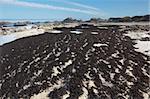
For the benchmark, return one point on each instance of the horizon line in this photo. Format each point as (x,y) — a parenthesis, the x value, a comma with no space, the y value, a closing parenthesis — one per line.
(67,17)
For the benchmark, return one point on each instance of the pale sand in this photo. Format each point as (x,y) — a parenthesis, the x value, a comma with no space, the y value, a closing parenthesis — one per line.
(28,33)
(138,35)
(142,46)
(44,94)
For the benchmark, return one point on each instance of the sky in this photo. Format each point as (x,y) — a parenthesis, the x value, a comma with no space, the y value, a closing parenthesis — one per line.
(80,9)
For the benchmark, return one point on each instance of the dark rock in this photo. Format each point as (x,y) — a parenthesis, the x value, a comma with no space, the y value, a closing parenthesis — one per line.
(116,70)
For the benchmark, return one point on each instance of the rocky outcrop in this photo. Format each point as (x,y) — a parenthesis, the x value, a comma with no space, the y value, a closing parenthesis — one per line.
(96,20)
(145,18)
(70,20)
(95,64)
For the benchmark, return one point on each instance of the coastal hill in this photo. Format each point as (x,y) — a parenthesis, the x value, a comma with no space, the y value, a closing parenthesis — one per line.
(70,20)
(130,19)
(143,18)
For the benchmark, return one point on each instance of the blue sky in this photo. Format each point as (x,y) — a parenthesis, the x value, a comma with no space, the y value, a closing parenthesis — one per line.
(81,9)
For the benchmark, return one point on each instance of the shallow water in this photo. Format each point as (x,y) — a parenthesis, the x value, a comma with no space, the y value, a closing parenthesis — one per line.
(7,38)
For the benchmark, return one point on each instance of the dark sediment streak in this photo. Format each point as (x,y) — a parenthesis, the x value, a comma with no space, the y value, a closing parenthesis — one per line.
(21,61)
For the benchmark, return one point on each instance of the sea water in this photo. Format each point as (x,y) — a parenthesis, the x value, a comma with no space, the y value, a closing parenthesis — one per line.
(7,38)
